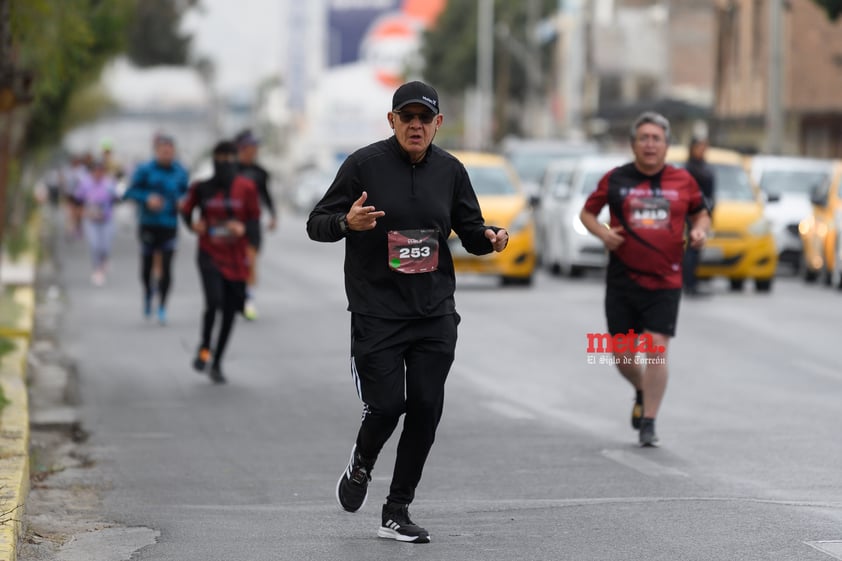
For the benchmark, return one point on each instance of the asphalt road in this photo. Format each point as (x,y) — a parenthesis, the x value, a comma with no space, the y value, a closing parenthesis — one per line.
(534,460)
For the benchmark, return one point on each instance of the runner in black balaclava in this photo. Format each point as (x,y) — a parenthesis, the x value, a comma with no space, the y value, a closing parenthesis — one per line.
(224,164)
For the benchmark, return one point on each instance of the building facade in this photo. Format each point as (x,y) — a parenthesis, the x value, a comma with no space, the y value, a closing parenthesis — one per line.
(810,69)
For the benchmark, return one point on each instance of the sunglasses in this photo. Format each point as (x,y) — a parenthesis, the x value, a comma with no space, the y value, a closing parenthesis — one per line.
(425,117)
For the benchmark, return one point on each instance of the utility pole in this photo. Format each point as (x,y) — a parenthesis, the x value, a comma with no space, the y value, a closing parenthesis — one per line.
(485,72)
(573,71)
(774,109)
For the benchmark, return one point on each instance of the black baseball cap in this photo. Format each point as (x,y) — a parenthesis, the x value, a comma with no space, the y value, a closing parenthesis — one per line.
(416,92)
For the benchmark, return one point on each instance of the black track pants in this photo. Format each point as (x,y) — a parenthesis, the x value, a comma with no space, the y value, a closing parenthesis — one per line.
(221,296)
(400,367)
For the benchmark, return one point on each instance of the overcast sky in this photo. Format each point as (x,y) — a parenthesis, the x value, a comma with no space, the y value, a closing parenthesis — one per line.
(243,37)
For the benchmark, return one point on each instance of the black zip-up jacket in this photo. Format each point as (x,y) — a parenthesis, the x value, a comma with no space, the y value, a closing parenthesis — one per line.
(434,193)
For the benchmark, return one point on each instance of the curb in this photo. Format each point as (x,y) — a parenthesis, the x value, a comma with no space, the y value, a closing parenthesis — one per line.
(14,416)
(14,447)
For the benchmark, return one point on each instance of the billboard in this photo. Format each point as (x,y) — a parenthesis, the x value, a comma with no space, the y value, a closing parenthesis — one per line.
(347,23)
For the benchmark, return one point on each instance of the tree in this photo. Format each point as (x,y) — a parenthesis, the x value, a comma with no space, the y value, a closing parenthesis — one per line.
(159,20)
(66,44)
(449,51)
(832,7)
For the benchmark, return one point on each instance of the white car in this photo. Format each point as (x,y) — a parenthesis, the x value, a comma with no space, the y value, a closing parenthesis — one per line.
(570,249)
(787,183)
(555,184)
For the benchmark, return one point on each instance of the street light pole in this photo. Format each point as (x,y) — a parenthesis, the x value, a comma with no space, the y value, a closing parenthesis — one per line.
(774,109)
(574,65)
(485,71)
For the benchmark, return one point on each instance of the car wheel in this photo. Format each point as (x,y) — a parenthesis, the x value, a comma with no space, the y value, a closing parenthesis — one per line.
(736,284)
(763,285)
(576,272)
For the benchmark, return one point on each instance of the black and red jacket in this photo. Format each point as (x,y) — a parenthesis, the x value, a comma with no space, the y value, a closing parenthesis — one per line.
(217,206)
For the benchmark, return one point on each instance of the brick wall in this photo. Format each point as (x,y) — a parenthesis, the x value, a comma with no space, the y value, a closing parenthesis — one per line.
(814,63)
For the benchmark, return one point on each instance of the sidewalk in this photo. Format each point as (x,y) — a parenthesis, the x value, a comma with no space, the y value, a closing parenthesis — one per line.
(17,308)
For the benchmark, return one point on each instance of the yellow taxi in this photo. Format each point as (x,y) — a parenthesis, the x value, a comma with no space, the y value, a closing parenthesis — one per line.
(820,232)
(504,204)
(741,244)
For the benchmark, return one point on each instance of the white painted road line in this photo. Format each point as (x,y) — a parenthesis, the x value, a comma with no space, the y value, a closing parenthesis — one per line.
(832,548)
(641,464)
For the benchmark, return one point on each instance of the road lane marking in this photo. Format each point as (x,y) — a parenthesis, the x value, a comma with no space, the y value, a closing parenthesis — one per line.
(641,464)
(832,548)
(497,505)
(537,402)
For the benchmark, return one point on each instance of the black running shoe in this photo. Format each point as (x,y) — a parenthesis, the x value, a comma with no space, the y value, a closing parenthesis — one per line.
(216,375)
(398,526)
(648,438)
(352,487)
(203,356)
(637,411)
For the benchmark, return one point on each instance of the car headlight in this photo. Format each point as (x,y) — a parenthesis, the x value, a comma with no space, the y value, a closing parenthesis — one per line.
(520,222)
(805,225)
(578,227)
(760,227)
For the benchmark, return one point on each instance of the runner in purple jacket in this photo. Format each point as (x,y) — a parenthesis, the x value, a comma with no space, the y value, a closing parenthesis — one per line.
(96,194)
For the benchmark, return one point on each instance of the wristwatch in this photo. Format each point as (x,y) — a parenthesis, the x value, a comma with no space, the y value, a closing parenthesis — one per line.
(343,224)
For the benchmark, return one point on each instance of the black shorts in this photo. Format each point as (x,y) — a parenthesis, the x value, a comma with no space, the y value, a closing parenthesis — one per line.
(630,306)
(157,238)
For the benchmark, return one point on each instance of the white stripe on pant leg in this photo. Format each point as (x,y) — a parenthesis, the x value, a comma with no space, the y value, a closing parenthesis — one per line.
(356,376)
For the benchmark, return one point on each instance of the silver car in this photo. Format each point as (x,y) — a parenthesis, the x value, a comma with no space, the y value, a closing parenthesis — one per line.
(570,249)
(787,183)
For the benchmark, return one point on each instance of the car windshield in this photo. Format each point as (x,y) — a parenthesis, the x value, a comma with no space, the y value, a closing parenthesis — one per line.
(589,177)
(590,180)
(530,166)
(489,180)
(800,182)
(731,182)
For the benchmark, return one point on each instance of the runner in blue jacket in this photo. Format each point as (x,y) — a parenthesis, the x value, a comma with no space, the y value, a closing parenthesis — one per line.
(157,187)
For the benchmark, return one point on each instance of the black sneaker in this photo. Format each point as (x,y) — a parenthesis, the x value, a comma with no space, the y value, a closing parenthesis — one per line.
(352,487)
(647,437)
(637,411)
(216,375)
(398,526)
